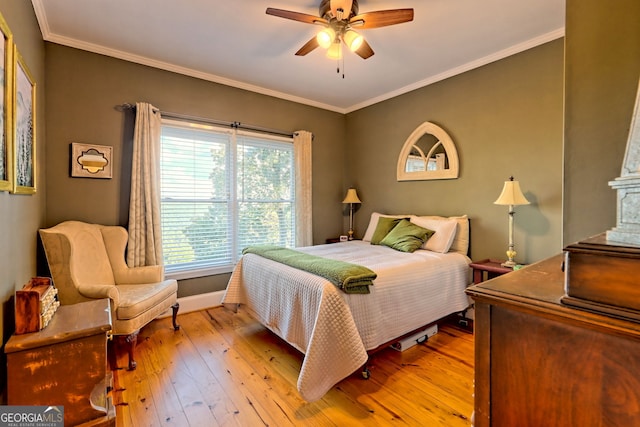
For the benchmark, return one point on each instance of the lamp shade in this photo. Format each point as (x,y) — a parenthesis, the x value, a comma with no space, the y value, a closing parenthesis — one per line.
(351,197)
(511,194)
(335,51)
(353,40)
(326,37)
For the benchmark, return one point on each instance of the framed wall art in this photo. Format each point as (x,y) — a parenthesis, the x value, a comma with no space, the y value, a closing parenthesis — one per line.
(6,107)
(24,130)
(91,161)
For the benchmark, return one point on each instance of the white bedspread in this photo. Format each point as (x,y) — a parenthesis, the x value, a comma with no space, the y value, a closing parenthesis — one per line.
(334,329)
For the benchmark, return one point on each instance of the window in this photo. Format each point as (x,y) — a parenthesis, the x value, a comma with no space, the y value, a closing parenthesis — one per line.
(222,190)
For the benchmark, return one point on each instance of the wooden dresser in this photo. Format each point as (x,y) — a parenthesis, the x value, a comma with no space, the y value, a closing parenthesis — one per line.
(65,364)
(539,362)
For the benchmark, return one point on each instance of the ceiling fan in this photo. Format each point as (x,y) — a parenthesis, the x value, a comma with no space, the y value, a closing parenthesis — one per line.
(339,19)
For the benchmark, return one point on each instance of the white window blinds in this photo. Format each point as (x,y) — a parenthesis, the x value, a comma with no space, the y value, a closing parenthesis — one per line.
(222,190)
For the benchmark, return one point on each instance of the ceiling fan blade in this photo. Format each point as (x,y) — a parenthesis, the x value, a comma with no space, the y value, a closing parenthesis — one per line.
(364,51)
(308,47)
(296,16)
(381,18)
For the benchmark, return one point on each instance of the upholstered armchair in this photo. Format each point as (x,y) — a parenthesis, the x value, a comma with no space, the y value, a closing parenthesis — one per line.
(87,262)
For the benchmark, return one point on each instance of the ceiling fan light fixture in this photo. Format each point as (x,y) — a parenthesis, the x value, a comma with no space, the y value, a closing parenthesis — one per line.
(337,18)
(353,40)
(334,51)
(326,37)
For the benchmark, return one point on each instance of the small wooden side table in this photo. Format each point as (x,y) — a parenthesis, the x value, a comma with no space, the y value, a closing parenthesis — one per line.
(492,268)
(65,364)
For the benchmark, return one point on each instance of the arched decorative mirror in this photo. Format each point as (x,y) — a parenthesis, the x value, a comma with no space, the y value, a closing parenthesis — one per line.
(428,153)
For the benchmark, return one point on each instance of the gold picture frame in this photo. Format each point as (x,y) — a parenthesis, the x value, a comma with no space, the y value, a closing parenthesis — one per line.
(6,107)
(91,160)
(24,127)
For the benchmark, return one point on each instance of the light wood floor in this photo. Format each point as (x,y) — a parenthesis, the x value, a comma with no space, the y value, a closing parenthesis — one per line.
(225,369)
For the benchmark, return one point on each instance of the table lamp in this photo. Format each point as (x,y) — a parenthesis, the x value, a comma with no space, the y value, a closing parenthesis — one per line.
(351,198)
(511,196)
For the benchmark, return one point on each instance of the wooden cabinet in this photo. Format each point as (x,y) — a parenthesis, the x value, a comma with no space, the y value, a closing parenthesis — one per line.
(65,364)
(539,362)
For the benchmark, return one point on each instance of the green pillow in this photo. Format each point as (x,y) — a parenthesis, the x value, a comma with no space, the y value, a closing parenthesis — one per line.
(406,236)
(384,226)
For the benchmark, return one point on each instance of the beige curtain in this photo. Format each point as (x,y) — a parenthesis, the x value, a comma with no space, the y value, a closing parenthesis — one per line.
(145,242)
(302,158)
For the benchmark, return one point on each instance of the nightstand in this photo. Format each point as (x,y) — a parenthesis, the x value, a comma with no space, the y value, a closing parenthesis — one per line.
(335,240)
(492,268)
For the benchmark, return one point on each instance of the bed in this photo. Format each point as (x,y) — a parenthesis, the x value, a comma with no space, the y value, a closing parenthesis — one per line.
(335,330)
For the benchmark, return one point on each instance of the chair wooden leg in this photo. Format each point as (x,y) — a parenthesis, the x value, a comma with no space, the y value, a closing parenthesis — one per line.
(175,308)
(131,341)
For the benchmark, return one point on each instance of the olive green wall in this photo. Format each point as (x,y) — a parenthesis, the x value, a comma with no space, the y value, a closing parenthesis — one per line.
(602,71)
(505,119)
(22,215)
(83,91)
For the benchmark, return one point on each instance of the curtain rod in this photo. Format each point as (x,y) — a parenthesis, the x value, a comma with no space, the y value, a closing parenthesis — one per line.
(203,120)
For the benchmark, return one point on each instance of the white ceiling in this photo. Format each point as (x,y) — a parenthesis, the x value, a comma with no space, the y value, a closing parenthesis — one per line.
(236,43)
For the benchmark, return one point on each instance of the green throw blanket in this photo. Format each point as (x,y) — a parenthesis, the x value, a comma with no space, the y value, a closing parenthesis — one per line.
(351,278)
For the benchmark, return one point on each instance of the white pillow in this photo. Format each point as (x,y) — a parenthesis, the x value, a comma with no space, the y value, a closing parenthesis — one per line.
(373,223)
(445,231)
(460,242)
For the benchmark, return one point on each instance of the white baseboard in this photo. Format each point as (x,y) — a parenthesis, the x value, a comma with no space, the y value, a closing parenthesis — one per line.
(197,302)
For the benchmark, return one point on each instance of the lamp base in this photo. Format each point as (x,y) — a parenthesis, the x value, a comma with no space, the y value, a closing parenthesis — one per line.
(509,264)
